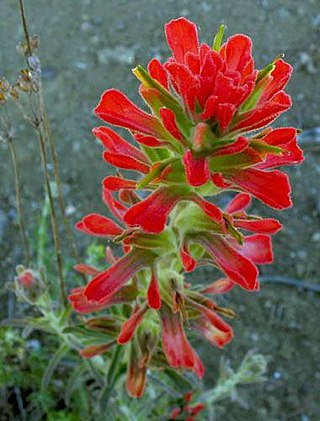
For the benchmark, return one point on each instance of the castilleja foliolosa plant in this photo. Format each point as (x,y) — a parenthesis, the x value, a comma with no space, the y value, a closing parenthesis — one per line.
(208,131)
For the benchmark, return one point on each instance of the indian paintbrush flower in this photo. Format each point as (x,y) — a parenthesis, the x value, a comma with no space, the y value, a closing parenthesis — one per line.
(201,138)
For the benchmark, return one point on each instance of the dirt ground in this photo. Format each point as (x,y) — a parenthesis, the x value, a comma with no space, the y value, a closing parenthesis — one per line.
(88,46)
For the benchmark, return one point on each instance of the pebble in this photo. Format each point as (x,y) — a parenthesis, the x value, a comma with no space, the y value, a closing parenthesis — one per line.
(283,13)
(80,65)
(311,136)
(316,20)
(300,269)
(119,54)
(277,375)
(315,237)
(49,73)
(306,62)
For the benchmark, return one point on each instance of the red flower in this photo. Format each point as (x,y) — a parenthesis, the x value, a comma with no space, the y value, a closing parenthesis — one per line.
(223,95)
(200,137)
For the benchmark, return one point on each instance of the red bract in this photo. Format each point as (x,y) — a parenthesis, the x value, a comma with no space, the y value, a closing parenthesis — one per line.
(176,347)
(200,137)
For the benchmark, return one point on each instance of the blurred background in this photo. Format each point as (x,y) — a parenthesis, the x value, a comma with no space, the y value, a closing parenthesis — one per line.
(87,46)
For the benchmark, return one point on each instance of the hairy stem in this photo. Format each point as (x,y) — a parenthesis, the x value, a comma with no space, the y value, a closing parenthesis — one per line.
(19,199)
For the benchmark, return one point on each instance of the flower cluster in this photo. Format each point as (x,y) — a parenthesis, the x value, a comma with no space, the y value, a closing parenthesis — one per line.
(201,138)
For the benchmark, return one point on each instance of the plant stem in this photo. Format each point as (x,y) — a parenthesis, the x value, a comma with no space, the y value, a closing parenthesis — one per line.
(39,126)
(54,221)
(18,199)
(43,117)
(25,26)
(57,178)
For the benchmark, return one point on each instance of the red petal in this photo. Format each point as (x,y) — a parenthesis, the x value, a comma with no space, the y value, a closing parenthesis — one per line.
(158,72)
(285,138)
(94,350)
(115,108)
(136,375)
(265,114)
(221,286)
(169,121)
(115,143)
(228,91)
(193,62)
(182,37)
(234,148)
(125,162)
(81,304)
(209,208)
(239,203)
(117,208)
(263,226)
(86,269)
(110,258)
(189,263)
(237,267)
(197,170)
(116,183)
(224,114)
(218,180)
(278,80)
(271,187)
(185,83)
(99,225)
(237,53)
(210,107)
(152,213)
(258,248)
(215,330)
(176,347)
(129,326)
(108,283)
(153,294)
(148,140)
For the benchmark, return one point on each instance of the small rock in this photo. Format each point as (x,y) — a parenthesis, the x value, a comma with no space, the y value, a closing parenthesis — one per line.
(302,254)
(86,26)
(70,210)
(306,62)
(49,73)
(119,54)
(315,237)
(300,269)
(311,136)
(80,65)
(316,20)
(283,13)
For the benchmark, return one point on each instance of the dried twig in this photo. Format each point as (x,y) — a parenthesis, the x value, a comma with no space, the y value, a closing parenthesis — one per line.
(7,137)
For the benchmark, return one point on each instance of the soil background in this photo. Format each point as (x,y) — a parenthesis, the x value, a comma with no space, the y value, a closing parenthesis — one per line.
(88,46)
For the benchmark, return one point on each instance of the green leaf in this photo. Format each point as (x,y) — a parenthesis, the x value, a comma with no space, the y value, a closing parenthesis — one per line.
(266,71)
(218,38)
(263,147)
(37,324)
(179,381)
(53,363)
(74,382)
(166,98)
(155,172)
